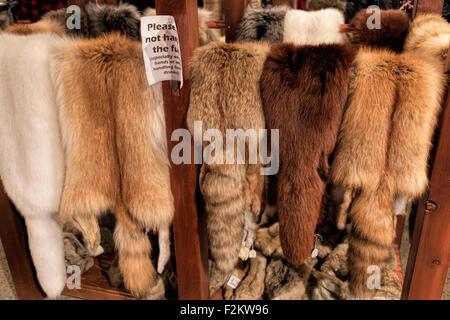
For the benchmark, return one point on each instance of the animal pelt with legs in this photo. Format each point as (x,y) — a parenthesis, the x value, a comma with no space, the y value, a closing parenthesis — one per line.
(225,95)
(383,146)
(304,90)
(115,146)
(31,151)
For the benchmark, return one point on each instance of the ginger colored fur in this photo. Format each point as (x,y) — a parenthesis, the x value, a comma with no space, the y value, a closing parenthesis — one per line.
(383,149)
(43,26)
(225,95)
(429,37)
(304,89)
(116,154)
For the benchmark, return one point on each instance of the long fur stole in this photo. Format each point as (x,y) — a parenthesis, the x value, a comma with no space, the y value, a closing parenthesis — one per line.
(383,146)
(303,90)
(115,147)
(31,152)
(225,95)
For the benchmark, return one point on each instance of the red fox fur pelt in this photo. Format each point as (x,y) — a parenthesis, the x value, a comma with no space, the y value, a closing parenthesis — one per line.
(383,146)
(225,95)
(303,91)
(113,132)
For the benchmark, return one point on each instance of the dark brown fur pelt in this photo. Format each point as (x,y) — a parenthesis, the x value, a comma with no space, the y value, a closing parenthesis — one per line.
(304,89)
(383,149)
(323,4)
(115,146)
(393,29)
(225,95)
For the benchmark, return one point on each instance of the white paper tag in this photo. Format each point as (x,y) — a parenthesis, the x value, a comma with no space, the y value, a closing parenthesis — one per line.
(233,282)
(252,254)
(315,253)
(161,49)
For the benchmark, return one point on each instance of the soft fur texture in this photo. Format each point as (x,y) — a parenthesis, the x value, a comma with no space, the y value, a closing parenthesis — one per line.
(304,89)
(115,147)
(31,155)
(225,95)
(313,28)
(429,37)
(43,26)
(107,18)
(60,16)
(383,148)
(394,26)
(262,24)
(323,4)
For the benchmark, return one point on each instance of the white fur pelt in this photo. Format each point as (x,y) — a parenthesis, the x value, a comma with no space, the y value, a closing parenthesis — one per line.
(31,154)
(313,27)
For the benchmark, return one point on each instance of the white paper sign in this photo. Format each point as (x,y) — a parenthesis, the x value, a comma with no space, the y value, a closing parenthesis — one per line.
(161,49)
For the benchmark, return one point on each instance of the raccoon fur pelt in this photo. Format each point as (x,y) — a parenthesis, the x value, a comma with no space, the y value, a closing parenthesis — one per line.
(429,37)
(205,34)
(314,27)
(303,90)
(113,132)
(262,24)
(383,147)
(225,95)
(31,151)
(323,4)
(95,20)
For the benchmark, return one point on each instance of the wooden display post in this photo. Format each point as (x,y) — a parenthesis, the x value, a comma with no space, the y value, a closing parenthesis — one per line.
(429,255)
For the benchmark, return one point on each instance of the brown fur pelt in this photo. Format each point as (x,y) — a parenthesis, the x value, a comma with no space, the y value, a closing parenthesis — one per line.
(391,33)
(383,148)
(225,95)
(429,37)
(43,26)
(304,89)
(115,147)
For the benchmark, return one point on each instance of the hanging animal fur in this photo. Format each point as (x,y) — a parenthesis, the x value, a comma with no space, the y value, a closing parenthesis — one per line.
(225,95)
(314,27)
(31,155)
(304,89)
(43,26)
(116,154)
(429,37)
(323,4)
(262,24)
(383,145)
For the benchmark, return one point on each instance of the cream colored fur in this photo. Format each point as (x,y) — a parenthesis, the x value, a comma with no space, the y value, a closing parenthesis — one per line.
(31,153)
(314,27)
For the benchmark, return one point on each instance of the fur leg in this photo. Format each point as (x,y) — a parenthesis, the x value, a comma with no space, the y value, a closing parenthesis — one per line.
(46,246)
(89,228)
(164,248)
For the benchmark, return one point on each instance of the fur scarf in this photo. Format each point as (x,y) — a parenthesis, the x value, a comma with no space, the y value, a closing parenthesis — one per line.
(31,152)
(115,151)
(42,26)
(314,28)
(429,37)
(303,90)
(225,95)
(383,148)
(262,24)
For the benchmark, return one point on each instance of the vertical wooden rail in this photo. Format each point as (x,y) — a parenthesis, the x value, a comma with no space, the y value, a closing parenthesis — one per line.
(234,10)
(191,249)
(429,256)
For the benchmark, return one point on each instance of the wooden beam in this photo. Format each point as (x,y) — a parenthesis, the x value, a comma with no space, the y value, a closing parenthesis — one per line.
(15,244)
(191,248)
(428,6)
(234,11)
